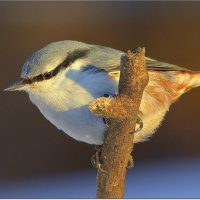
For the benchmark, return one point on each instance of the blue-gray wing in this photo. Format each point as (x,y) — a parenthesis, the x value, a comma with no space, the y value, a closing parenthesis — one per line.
(162,66)
(108,59)
(151,65)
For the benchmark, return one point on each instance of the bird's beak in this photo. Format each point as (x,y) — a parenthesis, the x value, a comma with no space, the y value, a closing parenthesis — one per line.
(18,85)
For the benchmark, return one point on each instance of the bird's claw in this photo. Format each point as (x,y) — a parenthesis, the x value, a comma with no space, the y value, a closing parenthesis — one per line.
(96,159)
(130,163)
(110,95)
(106,121)
(140,123)
(97,163)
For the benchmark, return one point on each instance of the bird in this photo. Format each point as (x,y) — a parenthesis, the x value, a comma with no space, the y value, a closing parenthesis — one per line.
(64,77)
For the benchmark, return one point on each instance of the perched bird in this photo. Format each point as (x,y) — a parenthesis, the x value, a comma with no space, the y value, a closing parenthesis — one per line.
(64,77)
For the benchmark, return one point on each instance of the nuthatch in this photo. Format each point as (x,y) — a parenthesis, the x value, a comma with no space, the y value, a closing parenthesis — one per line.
(64,77)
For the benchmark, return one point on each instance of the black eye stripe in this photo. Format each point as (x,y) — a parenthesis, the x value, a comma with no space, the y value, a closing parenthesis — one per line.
(69,60)
(25,80)
(37,78)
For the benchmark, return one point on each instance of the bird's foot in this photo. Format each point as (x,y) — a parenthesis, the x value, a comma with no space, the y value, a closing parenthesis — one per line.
(130,163)
(110,95)
(96,159)
(106,121)
(139,125)
(97,163)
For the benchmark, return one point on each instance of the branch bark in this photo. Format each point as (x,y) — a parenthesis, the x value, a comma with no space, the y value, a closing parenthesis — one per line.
(123,112)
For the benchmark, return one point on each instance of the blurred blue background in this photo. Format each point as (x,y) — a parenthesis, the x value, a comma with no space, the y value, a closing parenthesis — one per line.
(159,179)
(36,159)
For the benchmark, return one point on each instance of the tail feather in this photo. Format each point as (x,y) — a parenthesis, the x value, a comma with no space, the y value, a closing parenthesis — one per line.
(194,80)
(185,81)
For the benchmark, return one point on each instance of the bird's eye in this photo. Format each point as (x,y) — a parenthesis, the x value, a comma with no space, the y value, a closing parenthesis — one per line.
(47,75)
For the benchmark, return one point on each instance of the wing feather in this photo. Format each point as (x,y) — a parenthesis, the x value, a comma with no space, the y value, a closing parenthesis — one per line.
(162,66)
(108,59)
(151,65)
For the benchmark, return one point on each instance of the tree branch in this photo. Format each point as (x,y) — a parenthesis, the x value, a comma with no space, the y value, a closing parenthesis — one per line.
(123,112)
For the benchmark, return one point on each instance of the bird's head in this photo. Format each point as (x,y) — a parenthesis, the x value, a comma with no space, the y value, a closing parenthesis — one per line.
(49,62)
